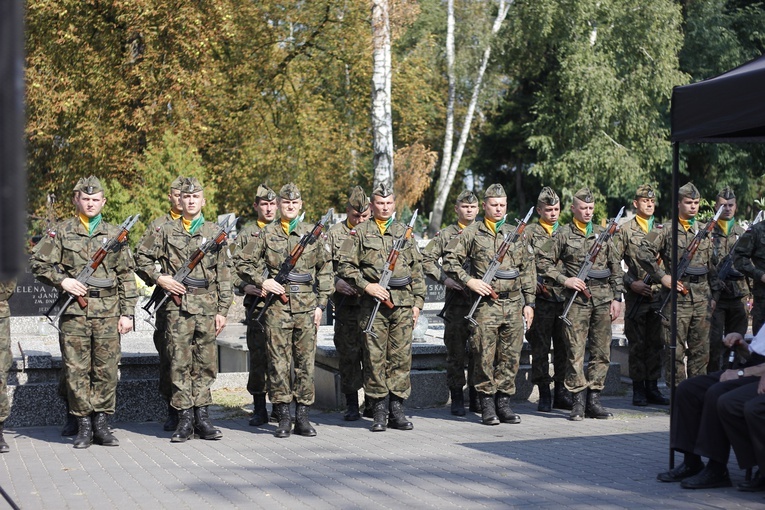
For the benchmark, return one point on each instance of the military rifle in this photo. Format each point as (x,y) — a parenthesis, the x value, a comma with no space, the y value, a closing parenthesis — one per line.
(685,260)
(290,262)
(112,245)
(589,261)
(452,294)
(647,280)
(160,295)
(496,261)
(387,272)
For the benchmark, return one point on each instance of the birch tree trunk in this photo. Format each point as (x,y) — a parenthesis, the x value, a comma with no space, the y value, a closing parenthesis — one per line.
(382,118)
(451,162)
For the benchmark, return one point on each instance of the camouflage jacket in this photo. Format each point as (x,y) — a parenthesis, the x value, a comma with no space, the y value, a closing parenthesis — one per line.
(432,261)
(65,252)
(562,257)
(336,236)
(267,251)
(701,286)
(6,291)
(172,247)
(363,256)
(736,285)
(538,237)
(749,258)
(479,244)
(630,239)
(249,233)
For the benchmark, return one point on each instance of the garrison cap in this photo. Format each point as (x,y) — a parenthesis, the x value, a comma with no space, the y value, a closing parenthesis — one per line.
(290,192)
(726,193)
(645,191)
(89,185)
(547,197)
(265,193)
(383,190)
(177,183)
(689,190)
(467,197)
(191,185)
(494,191)
(585,195)
(357,199)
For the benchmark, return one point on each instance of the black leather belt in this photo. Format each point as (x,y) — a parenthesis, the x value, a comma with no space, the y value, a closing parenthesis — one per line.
(508,294)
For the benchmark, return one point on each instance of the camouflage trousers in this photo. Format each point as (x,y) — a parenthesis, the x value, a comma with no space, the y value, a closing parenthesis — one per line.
(457,342)
(496,342)
(591,332)
(257,380)
(387,356)
(90,350)
(291,344)
(645,335)
(6,358)
(160,343)
(729,317)
(193,358)
(547,325)
(692,345)
(349,342)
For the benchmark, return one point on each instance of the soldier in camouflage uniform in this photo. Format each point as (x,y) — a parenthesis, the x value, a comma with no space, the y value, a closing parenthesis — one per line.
(549,307)
(590,319)
(730,315)
(6,357)
(290,327)
(642,324)
(160,322)
(749,258)
(257,382)
(388,351)
(90,336)
(348,338)
(457,330)
(497,333)
(193,325)
(700,279)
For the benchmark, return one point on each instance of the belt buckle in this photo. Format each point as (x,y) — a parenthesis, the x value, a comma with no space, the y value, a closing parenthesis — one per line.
(294,288)
(94,293)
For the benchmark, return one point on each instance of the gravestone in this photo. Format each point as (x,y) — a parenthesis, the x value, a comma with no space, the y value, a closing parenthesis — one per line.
(31,298)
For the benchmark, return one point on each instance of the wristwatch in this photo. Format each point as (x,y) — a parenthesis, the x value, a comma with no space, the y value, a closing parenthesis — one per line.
(740,374)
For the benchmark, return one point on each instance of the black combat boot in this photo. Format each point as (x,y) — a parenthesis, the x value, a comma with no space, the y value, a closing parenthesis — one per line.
(379,414)
(397,418)
(302,425)
(172,419)
(71,426)
(545,398)
(102,434)
(488,411)
(203,427)
(638,394)
(458,401)
(4,448)
(475,402)
(352,412)
(594,409)
(84,432)
(653,395)
(562,399)
(577,408)
(285,423)
(185,429)
(504,413)
(259,411)
(369,405)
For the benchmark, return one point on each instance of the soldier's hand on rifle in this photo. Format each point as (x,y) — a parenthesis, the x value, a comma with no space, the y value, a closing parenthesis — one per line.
(220,323)
(273,287)
(575,283)
(125,325)
(616,309)
(253,290)
(169,284)
(415,314)
(377,291)
(74,287)
(451,284)
(480,287)
(666,280)
(641,288)
(343,287)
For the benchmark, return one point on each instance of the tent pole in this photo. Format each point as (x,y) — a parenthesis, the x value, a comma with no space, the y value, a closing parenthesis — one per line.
(673,291)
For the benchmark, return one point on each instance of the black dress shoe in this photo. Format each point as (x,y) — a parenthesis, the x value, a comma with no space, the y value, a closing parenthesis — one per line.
(709,478)
(756,484)
(679,473)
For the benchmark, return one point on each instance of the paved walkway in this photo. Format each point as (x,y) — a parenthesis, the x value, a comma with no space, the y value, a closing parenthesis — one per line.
(445,462)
